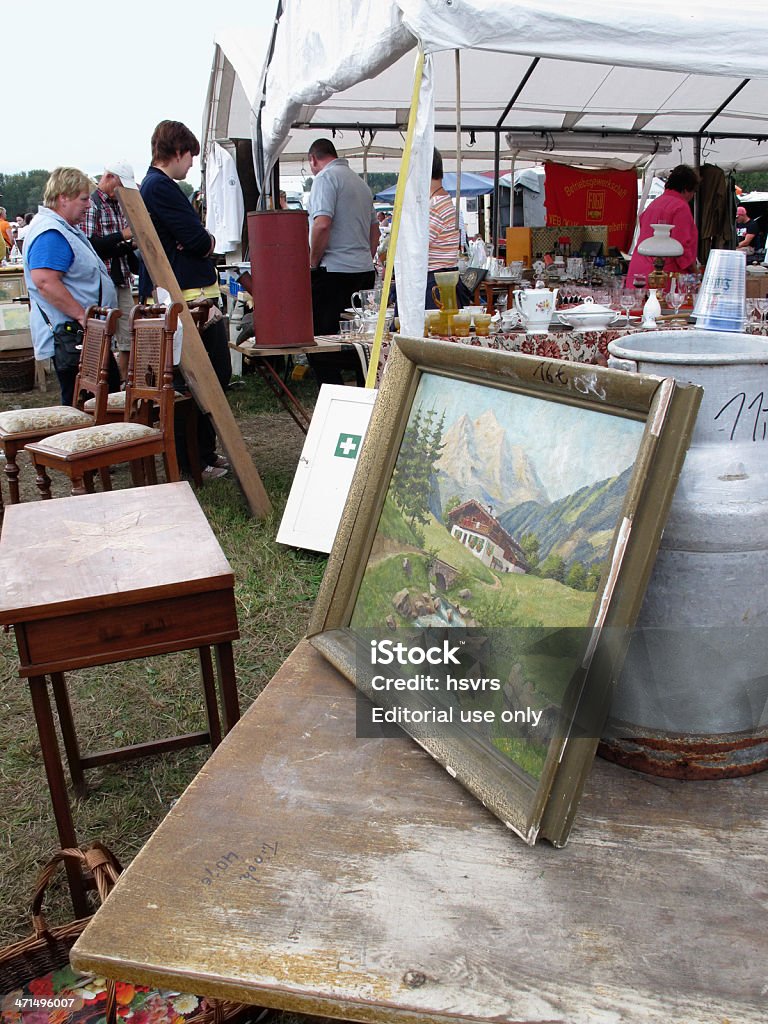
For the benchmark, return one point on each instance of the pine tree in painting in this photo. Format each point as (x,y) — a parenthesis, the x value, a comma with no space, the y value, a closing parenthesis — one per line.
(419,451)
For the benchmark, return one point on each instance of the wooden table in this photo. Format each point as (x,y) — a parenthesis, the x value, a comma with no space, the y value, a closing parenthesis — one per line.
(261,356)
(309,870)
(500,284)
(109,577)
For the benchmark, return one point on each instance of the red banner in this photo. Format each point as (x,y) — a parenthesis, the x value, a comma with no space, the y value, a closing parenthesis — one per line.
(592,197)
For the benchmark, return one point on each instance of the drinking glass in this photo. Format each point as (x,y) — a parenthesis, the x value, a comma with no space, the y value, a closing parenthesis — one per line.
(676,299)
(762,308)
(461,322)
(627,301)
(482,324)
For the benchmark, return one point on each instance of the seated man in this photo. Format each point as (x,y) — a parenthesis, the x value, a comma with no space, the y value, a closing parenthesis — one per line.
(747,231)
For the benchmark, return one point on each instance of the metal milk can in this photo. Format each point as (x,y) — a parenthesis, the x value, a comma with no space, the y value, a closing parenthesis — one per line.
(692,700)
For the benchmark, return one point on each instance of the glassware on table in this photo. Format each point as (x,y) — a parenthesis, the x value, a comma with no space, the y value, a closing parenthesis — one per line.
(627,300)
(720,302)
(461,323)
(762,308)
(432,322)
(482,324)
(445,323)
(444,292)
(366,301)
(676,299)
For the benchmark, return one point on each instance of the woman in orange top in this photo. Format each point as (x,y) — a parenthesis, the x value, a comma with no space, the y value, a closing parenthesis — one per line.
(5,229)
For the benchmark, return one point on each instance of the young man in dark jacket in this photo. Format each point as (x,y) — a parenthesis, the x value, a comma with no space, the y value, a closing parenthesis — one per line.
(189,248)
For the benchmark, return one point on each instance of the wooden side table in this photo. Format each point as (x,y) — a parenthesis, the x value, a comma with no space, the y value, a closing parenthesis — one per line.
(110,577)
(486,288)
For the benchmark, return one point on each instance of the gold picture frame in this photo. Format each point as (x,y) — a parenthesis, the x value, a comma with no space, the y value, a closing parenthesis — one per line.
(479,470)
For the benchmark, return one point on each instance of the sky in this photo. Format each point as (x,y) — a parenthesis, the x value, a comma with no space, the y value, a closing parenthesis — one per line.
(87,83)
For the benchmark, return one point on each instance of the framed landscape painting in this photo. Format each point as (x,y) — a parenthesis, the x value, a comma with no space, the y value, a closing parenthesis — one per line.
(493,554)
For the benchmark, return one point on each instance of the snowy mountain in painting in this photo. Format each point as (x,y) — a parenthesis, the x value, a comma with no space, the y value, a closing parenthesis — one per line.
(478,461)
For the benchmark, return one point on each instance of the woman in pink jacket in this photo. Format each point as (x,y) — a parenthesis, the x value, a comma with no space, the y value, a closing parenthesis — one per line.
(671,207)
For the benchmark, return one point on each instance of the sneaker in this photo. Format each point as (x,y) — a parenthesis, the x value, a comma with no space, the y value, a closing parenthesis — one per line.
(221,462)
(213,472)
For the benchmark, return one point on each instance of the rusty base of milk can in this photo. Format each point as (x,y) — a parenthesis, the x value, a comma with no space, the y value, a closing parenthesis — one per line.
(728,756)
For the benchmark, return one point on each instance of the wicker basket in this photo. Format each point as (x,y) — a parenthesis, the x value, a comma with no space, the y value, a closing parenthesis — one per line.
(17,373)
(47,949)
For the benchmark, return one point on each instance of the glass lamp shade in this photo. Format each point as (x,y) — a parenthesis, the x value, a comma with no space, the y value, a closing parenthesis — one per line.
(660,243)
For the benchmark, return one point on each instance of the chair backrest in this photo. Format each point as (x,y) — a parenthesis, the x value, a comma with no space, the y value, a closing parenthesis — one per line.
(93,372)
(150,365)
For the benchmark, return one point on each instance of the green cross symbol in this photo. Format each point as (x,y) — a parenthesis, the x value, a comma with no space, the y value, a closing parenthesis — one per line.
(348,446)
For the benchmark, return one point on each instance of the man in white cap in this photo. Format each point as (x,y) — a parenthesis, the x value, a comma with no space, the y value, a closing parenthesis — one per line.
(109,234)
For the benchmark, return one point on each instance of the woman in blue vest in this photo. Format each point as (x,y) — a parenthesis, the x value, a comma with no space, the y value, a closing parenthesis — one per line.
(64,275)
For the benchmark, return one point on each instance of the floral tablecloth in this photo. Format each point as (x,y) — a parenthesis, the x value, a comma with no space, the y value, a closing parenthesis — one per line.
(576,346)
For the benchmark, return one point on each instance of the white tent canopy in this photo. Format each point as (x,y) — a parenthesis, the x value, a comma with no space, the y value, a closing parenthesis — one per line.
(631,71)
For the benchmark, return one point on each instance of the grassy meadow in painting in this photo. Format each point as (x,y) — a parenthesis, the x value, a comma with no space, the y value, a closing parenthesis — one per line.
(500,514)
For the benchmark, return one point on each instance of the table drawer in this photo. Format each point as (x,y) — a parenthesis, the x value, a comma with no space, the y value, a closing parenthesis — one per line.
(120,634)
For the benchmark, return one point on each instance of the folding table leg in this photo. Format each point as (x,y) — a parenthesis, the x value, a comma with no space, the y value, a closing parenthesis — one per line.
(57,787)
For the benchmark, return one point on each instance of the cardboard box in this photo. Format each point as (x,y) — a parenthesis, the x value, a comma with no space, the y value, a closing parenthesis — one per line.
(757,286)
(518,245)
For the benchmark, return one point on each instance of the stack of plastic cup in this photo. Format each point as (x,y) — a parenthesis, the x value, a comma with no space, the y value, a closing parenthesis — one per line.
(720,303)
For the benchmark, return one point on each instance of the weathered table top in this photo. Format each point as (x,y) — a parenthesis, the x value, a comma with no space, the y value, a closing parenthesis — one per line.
(76,554)
(307,869)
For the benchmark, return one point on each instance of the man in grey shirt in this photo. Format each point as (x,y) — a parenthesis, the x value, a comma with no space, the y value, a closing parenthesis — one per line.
(343,237)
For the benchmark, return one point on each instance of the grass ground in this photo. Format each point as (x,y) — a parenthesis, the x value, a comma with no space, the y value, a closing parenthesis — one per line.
(118,704)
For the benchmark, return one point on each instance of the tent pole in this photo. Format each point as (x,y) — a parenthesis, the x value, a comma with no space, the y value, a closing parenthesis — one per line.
(276,186)
(697,168)
(496,212)
(457,61)
(511,197)
(397,212)
(366,149)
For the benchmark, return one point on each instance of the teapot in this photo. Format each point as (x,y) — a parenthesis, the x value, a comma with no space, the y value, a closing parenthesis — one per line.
(536,306)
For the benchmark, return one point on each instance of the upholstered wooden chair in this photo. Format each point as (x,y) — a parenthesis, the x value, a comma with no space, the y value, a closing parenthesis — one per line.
(149,387)
(20,427)
(185,409)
